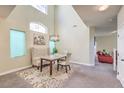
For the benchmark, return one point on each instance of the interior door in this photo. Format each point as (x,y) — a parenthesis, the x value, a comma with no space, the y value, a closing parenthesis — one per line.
(120,68)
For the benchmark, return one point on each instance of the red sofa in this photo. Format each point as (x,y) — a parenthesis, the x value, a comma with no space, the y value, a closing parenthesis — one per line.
(104,58)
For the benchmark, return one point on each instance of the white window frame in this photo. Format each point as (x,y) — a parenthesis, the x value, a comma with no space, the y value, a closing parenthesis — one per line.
(38,27)
(41,8)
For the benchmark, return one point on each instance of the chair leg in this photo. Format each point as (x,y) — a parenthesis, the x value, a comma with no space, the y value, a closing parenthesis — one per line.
(69,67)
(61,66)
(38,67)
(66,69)
(57,67)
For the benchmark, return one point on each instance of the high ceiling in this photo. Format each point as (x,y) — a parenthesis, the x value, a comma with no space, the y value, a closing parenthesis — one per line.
(105,21)
(5,10)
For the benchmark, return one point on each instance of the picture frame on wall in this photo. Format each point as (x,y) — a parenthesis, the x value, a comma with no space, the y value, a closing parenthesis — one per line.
(39,39)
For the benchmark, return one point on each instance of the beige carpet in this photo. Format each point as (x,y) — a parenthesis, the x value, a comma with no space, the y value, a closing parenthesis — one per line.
(99,76)
(43,79)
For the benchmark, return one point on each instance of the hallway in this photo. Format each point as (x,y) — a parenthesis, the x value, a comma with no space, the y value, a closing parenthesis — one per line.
(100,76)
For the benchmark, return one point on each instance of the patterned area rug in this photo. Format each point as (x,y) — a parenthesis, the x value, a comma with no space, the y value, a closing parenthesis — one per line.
(43,79)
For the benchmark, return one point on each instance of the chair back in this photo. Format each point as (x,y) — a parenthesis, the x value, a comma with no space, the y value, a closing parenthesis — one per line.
(68,57)
(38,52)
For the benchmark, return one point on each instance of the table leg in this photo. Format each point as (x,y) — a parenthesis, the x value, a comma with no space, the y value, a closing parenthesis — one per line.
(50,67)
(57,65)
(41,65)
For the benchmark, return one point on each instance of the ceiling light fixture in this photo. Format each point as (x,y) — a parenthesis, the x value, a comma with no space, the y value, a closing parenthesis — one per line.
(102,7)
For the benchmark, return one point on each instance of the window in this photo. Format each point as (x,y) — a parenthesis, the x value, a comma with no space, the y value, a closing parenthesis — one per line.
(38,27)
(17,43)
(41,8)
(52,46)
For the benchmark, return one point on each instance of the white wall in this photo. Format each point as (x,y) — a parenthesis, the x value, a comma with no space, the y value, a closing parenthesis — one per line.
(120,46)
(20,18)
(92,46)
(73,38)
(106,42)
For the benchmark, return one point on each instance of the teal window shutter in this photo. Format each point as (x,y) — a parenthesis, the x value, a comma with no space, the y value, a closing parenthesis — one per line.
(17,43)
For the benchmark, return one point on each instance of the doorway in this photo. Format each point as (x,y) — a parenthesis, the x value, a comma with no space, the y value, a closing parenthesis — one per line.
(106,47)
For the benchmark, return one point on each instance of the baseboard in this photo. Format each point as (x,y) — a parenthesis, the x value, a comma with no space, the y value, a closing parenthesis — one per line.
(121,80)
(77,62)
(14,70)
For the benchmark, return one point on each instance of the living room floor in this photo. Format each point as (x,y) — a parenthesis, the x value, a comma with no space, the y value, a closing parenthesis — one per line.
(99,76)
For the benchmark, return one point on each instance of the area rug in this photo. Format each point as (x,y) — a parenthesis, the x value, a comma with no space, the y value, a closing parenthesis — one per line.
(43,79)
